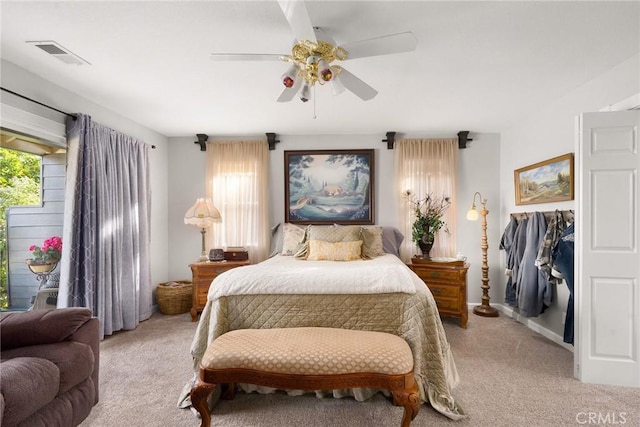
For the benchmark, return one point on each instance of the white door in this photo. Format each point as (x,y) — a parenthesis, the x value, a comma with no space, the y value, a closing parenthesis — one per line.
(607,265)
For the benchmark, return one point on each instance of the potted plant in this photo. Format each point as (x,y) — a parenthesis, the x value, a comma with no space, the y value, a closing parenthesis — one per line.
(44,259)
(428,211)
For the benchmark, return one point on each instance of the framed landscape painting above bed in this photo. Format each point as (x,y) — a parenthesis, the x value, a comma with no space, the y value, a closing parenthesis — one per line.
(329,186)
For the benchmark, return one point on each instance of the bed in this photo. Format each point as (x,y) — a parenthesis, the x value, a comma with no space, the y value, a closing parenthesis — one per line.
(379,293)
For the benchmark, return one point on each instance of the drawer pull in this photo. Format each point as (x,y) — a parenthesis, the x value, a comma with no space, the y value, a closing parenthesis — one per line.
(434,274)
(436,291)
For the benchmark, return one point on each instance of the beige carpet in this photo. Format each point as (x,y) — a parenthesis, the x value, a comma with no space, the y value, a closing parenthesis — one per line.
(510,376)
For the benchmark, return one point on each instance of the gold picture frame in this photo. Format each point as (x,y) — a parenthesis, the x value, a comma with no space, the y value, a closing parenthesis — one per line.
(545,182)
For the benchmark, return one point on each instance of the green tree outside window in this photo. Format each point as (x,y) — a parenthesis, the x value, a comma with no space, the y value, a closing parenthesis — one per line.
(19,186)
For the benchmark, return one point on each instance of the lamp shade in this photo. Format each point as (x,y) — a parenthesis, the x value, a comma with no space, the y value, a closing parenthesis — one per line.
(202,214)
(472,214)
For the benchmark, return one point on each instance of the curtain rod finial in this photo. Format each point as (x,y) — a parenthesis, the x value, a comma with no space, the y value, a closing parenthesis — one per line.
(463,138)
(202,141)
(391,139)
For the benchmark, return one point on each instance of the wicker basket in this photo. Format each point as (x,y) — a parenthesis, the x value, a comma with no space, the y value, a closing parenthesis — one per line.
(174,297)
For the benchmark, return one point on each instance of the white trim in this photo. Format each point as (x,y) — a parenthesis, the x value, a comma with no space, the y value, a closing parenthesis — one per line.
(18,120)
(631,103)
(547,333)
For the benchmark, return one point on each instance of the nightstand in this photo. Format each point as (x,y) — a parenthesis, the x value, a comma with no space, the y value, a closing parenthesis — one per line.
(447,281)
(203,274)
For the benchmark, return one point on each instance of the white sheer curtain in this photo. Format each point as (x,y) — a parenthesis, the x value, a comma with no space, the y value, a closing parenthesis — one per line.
(106,258)
(238,185)
(426,166)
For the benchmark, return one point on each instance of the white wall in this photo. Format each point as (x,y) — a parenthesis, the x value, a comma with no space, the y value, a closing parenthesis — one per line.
(478,171)
(549,133)
(25,83)
(186,175)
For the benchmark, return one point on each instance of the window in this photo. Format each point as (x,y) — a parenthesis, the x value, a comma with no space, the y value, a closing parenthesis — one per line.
(426,166)
(238,183)
(31,209)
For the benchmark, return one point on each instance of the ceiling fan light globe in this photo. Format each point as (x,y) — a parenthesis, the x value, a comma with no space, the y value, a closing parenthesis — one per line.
(289,77)
(288,81)
(325,71)
(336,86)
(305,93)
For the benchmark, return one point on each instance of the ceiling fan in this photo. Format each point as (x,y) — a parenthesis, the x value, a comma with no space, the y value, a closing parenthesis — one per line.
(314,53)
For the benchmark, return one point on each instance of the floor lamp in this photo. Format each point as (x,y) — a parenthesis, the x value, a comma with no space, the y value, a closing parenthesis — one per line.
(202,214)
(484,309)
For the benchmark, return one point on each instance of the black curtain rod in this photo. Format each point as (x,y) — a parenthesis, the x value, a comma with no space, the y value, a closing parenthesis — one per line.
(45,105)
(39,103)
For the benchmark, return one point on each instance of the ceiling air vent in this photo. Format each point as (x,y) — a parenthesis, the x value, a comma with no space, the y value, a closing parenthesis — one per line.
(56,50)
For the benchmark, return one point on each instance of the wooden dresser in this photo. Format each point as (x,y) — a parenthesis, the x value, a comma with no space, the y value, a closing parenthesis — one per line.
(203,274)
(448,284)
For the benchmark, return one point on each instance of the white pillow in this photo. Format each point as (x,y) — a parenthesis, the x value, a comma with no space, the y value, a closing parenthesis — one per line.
(292,238)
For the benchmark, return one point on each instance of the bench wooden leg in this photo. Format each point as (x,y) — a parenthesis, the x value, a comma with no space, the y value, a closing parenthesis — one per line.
(199,394)
(229,391)
(410,400)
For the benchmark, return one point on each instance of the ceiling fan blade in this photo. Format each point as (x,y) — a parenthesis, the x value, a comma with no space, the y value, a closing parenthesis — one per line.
(357,86)
(384,45)
(295,11)
(245,57)
(289,92)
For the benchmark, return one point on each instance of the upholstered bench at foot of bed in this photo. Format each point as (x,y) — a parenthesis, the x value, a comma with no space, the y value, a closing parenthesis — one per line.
(308,359)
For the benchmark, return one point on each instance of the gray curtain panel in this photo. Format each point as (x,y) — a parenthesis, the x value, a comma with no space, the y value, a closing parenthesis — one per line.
(105,261)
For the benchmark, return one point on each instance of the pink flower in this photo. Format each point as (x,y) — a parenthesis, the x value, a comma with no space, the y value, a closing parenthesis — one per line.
(51,250)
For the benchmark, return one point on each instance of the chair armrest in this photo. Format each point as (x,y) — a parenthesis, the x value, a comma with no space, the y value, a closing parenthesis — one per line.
(21,329)
(89,334)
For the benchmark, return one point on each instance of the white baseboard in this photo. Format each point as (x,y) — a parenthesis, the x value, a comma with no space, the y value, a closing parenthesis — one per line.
(547,333)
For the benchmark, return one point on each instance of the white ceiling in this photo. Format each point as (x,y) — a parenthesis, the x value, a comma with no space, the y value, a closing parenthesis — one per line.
(479,66)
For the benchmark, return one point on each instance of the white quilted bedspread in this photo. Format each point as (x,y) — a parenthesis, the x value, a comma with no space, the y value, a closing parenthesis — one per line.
(302,298)
(283,275)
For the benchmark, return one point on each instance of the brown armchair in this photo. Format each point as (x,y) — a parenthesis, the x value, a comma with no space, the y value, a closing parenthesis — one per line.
(49,367)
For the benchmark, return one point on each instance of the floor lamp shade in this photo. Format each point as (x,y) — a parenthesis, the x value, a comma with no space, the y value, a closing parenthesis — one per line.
(203,215)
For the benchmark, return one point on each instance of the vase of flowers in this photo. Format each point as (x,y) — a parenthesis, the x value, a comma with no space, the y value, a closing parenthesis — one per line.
(428,211)
(45,259)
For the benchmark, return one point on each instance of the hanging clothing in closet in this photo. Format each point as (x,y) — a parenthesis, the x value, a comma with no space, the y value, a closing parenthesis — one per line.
(533,289)
(513,243)
(563,257)
(544,260)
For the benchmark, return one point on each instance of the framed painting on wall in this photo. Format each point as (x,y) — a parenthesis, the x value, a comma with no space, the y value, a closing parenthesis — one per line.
(544,182)
(329,186)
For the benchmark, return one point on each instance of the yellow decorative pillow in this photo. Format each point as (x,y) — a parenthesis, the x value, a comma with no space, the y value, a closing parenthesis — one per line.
(329,233)
(319,250)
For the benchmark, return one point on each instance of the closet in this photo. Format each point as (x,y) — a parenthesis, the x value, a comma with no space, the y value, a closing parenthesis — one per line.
(539,254)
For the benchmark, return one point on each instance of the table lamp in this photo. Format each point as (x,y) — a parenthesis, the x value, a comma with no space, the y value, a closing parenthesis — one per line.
(202,214)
